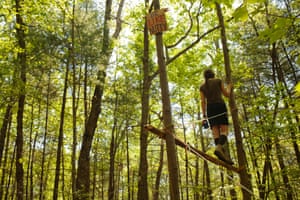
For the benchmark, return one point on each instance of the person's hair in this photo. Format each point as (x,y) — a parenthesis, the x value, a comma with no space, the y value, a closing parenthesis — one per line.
(207,75)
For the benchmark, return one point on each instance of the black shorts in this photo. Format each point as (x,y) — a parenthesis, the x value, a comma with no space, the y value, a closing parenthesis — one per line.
(217,114)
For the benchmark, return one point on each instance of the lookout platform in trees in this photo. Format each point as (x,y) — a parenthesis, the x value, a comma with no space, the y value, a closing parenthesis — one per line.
(198,153)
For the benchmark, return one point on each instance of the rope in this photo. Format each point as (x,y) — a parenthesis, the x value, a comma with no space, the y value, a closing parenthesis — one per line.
(222,171)
(218,115)
(207,118)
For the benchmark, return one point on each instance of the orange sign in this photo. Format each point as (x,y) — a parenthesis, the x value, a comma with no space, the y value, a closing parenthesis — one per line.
(156,21)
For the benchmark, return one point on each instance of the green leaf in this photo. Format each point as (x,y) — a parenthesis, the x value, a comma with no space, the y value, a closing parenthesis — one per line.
(297,88)
(241,13)
(255,1)
(278,30)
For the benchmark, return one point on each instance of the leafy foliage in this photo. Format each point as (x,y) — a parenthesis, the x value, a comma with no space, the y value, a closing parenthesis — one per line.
(263,39)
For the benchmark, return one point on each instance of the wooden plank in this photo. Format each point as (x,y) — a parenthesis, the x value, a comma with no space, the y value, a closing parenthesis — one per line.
(162,134)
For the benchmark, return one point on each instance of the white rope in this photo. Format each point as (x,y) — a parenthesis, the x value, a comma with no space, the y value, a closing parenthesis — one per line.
(218,115)
(207,118)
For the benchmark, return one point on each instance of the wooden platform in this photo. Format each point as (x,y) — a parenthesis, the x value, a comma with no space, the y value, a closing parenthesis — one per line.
(201,154)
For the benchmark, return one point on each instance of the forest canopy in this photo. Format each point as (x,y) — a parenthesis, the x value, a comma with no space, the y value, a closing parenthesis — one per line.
(80,79)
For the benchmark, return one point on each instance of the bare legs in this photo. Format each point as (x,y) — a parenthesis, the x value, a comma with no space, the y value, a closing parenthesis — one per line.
(219,130)
(220,133)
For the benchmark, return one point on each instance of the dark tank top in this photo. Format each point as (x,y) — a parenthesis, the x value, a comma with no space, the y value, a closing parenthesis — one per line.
(212,91)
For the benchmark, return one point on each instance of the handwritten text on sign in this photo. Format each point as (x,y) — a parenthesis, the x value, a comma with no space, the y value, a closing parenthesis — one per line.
(156,21)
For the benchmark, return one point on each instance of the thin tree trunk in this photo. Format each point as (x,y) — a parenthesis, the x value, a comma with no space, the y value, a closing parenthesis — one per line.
(111,181)
(60,137)
(103,170)
(287,97)
(74,107)
(159,171)
(83,170)
(167,117)
(4,160)
(42,181)
(277,69)
(197,171)
(143,193)
(112,154)
(294,129)
(285,178)
(244,177)
(30,159)
(128,160)
(31,176)
(20,34)
(252,152)
(10,184)
(274,182)
(4,129)
(207,194)
(233,193)
(185,153)
(222,190)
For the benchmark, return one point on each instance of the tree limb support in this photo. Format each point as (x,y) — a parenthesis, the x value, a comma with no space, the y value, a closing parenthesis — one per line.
(162,134)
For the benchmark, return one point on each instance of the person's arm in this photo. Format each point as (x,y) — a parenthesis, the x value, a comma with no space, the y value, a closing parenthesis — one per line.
(226,91)
(203,103)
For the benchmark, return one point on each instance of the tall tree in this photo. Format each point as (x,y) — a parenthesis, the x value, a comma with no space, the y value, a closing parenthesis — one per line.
(45,138)
(22,65)
(143,193)
(242,160)
(60,137)
(167,116)
(83,171)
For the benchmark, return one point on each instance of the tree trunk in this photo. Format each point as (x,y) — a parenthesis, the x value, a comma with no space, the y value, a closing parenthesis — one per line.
(287,98)
(72,61)
(4,158)
(20,34)
(186,151)
(112,153)
(4,129)
(31,175)
(10,183)
(42,181)
(207,194)
(252,152)
(167,117)
(158,173)
(244,177)
(30,150)
(60,137)
(83,171)
(277,69)
(197,172)
(143,193)
(83,175)
(232,191)
(128,161)
(285,178)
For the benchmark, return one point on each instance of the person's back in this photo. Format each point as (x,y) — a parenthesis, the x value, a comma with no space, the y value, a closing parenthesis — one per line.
(212,90)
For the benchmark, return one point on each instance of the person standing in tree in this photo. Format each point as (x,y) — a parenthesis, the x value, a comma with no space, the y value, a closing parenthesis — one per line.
(215,111)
